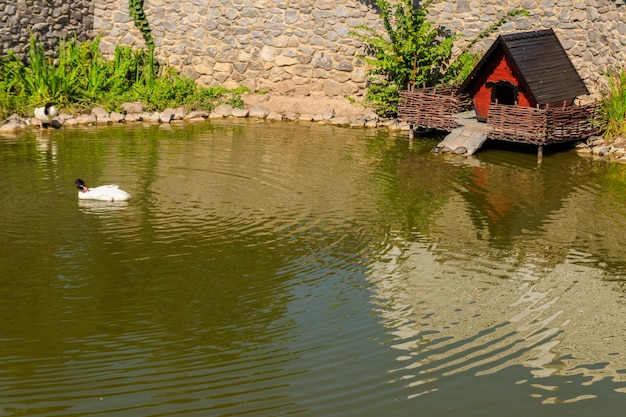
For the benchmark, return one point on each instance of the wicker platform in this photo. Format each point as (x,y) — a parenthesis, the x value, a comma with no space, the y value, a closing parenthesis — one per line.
(432,108)
(542,126)
(443,109)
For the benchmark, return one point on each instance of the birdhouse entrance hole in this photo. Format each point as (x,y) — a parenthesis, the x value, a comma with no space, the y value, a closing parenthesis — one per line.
(503,92)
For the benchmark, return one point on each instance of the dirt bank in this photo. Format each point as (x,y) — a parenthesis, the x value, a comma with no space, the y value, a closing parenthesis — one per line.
(312,104)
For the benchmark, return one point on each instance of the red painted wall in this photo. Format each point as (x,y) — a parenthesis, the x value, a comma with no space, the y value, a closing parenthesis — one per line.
(497,69)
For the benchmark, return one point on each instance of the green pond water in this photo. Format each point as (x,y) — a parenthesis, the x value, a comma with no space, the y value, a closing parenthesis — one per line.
(274,269)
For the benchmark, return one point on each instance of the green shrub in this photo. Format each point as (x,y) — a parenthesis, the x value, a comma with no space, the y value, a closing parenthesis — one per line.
(413,52)
(42,80)
(612,112)
(80,78)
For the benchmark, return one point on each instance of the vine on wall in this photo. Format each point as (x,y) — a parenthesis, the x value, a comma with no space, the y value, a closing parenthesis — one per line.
(141,21)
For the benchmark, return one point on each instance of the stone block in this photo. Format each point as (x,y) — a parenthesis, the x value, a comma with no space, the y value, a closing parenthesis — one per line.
(11,125)
(100,113)
(116,117)
(340,121)
(133,117)
(223,67)
(223,110)
(197,114)
(240,67)
(221,77)
(237,112)
(133,107)
(166,115)
(259,111)
(333,88)
(267,53)
(150,117)
(230,84)
(285,87)
(303,89)
(283,61)
(350,88)
(86,119)
(344,66)
(291,16)
(322,60)
(250,83)
(205,81)
(275,116)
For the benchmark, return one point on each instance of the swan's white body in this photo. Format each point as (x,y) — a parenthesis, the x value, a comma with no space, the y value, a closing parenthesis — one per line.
(45,114)
(109,193)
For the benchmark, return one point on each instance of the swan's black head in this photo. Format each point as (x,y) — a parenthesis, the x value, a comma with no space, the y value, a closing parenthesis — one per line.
(47,107)
(80,184)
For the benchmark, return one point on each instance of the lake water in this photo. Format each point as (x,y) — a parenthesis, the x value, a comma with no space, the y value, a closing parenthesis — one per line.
(274,269)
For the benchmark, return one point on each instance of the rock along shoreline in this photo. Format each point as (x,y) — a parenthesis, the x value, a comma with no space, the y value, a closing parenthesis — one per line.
(338,112)
(333,111)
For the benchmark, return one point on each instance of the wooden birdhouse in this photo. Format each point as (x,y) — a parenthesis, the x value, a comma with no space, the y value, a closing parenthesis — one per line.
(528,69)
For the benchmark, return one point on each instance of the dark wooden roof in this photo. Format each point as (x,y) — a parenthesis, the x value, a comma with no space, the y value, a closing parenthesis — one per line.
(541,64)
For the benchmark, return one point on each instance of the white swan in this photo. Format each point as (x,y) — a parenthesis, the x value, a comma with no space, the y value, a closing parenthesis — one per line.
(45,114)
(109,193)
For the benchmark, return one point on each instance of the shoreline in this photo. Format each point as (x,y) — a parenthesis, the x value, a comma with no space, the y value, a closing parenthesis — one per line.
(336,111)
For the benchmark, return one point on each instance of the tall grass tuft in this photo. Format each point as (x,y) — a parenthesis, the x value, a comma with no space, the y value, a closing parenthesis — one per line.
(80,77)
(612,117)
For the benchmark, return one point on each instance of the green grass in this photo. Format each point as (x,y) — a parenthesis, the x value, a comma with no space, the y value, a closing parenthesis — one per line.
(612,118)
(81,78)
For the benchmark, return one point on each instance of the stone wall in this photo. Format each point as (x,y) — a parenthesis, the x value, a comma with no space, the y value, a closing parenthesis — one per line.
(287,46)
(304,46)
(49,20)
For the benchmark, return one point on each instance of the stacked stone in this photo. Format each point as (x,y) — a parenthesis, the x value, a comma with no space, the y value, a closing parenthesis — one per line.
(134,112)
(593,32)
(49,21)
(285,46)
(303,46)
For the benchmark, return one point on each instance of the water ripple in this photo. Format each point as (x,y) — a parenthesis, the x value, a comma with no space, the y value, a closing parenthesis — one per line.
(301,270)
(460,326)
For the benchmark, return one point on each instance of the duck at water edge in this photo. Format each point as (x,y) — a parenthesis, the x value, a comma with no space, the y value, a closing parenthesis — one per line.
(45,114)
(109,192)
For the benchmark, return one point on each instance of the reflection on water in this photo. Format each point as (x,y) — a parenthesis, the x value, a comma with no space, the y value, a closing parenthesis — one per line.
(301,269)
(558,324)
(500,280)
(101,207)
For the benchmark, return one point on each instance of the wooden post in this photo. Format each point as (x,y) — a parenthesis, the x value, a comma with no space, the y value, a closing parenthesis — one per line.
(539,154)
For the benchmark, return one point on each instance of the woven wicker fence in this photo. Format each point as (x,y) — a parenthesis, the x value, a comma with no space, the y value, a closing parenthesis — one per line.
(541,126)
(571,123)
(432,108)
